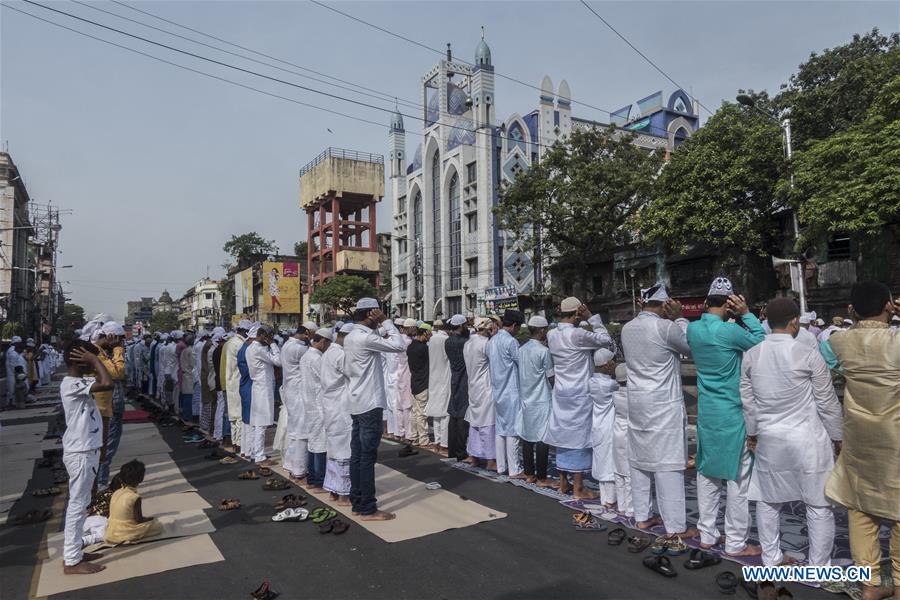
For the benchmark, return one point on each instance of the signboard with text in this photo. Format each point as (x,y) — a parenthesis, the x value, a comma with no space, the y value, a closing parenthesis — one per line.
(498,299)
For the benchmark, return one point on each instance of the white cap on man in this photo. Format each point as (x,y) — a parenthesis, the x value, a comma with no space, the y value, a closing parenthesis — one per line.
(602,356)
(366,304)
(655,293)
(325,332)
(482,323)
(244,324)
(721,286)
(346,328)
(457,320)
(409,323)
(537,322)
(570,304)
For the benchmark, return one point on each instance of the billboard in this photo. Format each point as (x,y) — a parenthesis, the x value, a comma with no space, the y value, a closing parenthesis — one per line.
(498,299)
(243,290)
(281,287)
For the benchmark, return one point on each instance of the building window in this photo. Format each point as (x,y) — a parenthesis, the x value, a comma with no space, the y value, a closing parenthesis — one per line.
(839,247)
(401,205)
(455,235)
(401,283)
(597,285)
(436,210)
(454,306)
(472,265)
(472,222)
(208,295)
(471,173)
(417,236)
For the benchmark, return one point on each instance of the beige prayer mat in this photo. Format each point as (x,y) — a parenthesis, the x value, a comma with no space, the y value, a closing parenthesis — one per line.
(126,562)
(28,413)
(419,511)
(161,478)
(172,503)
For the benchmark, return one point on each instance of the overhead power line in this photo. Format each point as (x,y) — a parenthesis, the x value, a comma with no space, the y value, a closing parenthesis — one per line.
(641,54)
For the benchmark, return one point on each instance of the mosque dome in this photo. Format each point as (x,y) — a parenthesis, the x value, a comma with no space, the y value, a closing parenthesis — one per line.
(456,104)
(165,298)
(396,121)
(482,54)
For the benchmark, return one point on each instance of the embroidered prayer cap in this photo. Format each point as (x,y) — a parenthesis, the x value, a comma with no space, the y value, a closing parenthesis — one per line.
(310,326)
(721,286)
(537,322)
(482,323)
(325,332)
(177,334)
(409,323)
(338,325)
(245,324)
(622,373)
(438,323)
(423,326)
(807,318)
(570,304)
(218,331)
(254,330)
(366,303)
(16,340)
(848,322)
(457,320)
(346,328)
(399,322)
(602,356)
(655,293)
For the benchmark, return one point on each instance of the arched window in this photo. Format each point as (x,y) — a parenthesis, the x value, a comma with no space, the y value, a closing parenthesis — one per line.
(680,136)
(455,235)
(417,237)
(436,209)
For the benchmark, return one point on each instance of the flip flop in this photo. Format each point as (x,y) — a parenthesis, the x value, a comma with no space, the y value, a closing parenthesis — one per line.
(326,514)
(326,527)
(228,460)
(616,536)
(638,543)
(700,559)
(582,517)
(264,592)
(291,514)
(339,527)
(660,564)
(248,475)
(660,545)
(727,582)
(676,547)
(265,472)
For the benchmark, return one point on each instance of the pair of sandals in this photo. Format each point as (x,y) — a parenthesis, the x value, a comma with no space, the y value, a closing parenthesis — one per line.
(250,474)
(294,515)
(274,484)
(228,460)
(291,501)
(728,583)
(33,516)
(668,544)
(587,522)
(229,504)
(44,492)
(336,526)
(265,472)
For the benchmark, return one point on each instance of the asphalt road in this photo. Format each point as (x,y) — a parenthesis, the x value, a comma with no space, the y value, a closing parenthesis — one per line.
(533,553)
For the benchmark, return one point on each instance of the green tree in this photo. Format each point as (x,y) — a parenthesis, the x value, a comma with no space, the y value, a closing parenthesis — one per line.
(164,321)
(300,249)
(579,200)
(226,291)
(719,186)
(850,182)
(73,315)
(12,328)
(833,90)
(243,247)
(341,292)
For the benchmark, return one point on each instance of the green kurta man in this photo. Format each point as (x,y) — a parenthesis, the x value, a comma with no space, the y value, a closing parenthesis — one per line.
(722,455)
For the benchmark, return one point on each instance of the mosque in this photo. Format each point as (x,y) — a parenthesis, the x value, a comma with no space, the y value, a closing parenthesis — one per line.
(449,255)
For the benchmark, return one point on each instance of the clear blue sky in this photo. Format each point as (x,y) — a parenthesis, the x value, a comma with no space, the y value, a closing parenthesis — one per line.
(161,166)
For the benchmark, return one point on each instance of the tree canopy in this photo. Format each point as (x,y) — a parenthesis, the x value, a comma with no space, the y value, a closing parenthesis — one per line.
(581,197)
(341,292)
(834,90)
(164,321)
(300,249)
(245,246)
(719,186)
(850,182)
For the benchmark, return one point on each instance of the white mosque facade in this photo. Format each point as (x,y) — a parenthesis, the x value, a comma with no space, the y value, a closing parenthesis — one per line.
(448,250)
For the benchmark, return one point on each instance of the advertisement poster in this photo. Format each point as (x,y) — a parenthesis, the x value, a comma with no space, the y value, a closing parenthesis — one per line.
(281,287)
(243,290)
(498,299)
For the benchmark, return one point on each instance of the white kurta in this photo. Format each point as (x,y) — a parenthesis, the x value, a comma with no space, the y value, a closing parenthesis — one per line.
(261,362)
(657,418)
(391,360)
(535,370)
(805,337)
(790,405)
(336,404)
(291,392)
(571,412)
(602,388)
(503,360)
(231,376)
(438,377)
(481,403)
(621,447)
(311,387)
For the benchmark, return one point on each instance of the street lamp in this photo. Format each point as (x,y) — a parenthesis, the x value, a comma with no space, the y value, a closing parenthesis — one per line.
(785,123)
